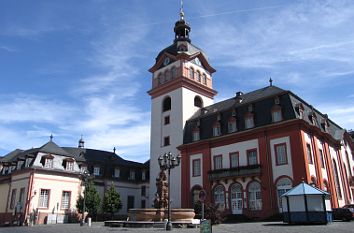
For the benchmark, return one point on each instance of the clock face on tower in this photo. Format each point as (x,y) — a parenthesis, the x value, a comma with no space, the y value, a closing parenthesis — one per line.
(166,61)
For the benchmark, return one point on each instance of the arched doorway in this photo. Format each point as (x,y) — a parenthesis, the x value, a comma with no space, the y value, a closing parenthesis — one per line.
(236,199)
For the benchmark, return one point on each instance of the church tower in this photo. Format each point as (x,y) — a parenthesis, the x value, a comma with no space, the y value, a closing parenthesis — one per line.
(181,85)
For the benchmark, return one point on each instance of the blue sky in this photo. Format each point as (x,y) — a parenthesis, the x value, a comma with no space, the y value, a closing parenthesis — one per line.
(72,68)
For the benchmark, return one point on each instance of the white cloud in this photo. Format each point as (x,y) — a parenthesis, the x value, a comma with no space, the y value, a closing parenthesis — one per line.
(301,32)
(23,108)
(340,114)
(8,49)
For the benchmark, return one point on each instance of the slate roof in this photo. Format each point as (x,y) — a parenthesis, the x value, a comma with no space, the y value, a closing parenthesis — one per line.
(233,102)
(304,189)
(172,49)
(99,156)
(52,148)
(79,154)
(262,101)
(10,156)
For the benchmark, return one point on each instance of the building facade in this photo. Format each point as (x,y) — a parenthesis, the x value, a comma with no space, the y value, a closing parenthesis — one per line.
(42,185)
(245,151)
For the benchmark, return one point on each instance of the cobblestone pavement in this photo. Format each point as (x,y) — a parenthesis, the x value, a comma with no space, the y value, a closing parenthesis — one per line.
(264,227)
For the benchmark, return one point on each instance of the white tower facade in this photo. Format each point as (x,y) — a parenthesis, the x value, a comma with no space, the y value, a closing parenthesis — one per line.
(181,86)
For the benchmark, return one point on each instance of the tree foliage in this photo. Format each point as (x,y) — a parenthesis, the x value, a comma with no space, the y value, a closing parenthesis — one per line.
(92,199)
(111,201)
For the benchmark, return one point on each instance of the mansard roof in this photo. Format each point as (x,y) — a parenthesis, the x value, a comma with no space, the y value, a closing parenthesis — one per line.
(79,154)
(99,156)
(52,148)
(10,156)
(261,102)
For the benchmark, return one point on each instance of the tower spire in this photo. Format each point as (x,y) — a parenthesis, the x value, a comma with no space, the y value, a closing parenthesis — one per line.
(181,13)
(182,28)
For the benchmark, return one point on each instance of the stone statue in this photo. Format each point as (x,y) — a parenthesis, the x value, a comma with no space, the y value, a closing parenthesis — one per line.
(161,196)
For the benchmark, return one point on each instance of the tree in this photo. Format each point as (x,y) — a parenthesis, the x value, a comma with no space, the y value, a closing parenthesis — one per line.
(92,199)
(111,201)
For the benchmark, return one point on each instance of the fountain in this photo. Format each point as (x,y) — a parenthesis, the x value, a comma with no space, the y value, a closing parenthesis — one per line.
(161,214)
(160,210)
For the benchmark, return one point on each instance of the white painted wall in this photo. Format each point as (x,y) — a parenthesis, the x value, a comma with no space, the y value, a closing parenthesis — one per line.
(240,147)
(182,108)
(333,153)
(57,162)
(56,184)
(323,170)
(283,170)
(312,169)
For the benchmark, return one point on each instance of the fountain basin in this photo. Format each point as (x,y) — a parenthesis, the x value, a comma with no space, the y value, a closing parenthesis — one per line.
(152,214)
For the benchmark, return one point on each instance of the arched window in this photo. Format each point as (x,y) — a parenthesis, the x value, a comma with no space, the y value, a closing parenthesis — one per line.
(198,102)
(336,179)
(198,77)
(283,185)
(236,199)
(254,196)
(166,104)
(191,73)
(167,75)
(219,197)
(174,72)
(347,177)
(204,79)
(160,79)
(195,197)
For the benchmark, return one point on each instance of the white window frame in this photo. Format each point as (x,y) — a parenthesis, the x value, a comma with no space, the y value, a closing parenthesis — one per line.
(69,166)
(219,196)
(196,169)
(196,136)
(249,122)
(44,198)
(65,199)
(277,117)
(96,171)
(254,196)
(116,172)
(48,163)
(132,175)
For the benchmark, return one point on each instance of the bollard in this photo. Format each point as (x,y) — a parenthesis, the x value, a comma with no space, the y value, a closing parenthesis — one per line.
(89,222)
(165,221)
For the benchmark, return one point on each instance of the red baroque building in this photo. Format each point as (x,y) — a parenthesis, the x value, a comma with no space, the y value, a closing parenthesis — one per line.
(247,150)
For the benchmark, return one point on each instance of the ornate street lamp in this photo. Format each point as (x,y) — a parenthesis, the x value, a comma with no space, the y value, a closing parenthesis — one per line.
(85,176)
(168,162)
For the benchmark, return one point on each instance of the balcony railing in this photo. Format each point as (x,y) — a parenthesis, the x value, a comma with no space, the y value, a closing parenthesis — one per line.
(243,171)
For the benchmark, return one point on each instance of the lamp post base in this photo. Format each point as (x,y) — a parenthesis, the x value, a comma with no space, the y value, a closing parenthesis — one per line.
(169,226)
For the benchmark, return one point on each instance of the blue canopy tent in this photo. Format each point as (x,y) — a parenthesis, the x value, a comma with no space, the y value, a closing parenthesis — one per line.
(305,204)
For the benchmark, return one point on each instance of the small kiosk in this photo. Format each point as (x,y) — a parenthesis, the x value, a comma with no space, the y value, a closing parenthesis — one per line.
(305,204)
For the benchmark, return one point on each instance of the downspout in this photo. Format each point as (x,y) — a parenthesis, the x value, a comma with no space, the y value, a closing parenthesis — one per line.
(29,194)
(8,194)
